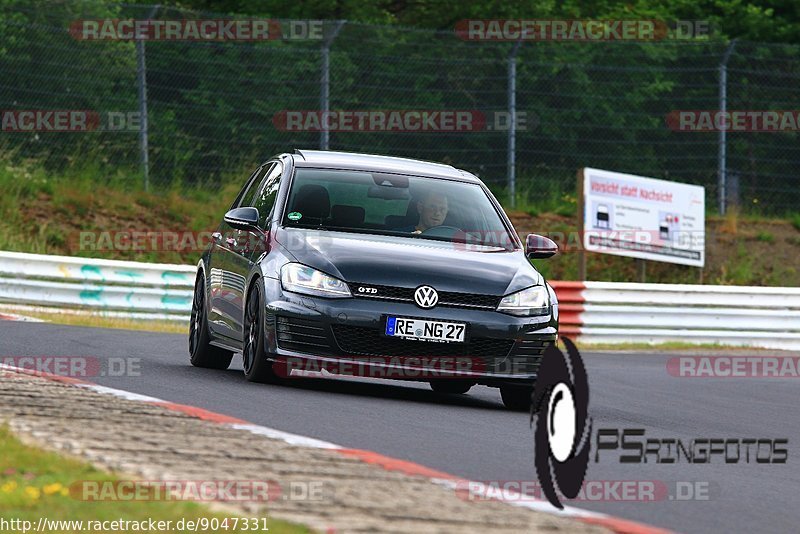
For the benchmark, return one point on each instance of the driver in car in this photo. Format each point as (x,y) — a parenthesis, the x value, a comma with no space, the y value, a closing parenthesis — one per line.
(432,209)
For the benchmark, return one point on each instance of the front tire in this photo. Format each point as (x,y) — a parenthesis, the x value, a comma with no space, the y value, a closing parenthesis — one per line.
(517,398)
(256,366)
(201,352)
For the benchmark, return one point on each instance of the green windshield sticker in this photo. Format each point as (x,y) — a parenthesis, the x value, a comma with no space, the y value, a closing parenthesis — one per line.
(295,216)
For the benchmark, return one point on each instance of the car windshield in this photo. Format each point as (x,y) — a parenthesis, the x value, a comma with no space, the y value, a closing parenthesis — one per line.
(397,205)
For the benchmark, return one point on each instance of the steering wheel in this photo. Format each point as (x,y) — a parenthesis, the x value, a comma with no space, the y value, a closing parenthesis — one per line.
(442,231)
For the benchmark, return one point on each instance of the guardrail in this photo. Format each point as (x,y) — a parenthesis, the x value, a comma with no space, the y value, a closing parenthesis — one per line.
(613,312)
(107,287)
(593,312)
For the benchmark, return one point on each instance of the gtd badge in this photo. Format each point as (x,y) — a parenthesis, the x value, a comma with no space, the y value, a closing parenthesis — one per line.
(563,427)
(367,290)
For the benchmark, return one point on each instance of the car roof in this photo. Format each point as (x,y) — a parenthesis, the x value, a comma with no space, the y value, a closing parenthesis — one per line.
(375,163)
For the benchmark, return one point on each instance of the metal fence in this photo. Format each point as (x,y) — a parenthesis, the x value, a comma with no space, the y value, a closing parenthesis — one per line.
(213,109)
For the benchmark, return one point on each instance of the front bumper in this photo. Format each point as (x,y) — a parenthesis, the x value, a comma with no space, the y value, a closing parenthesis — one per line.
(347,335)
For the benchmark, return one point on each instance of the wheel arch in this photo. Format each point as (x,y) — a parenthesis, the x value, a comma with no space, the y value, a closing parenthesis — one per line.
(201,270)
(255,278)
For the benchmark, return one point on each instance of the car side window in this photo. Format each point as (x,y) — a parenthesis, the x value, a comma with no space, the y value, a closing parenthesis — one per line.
(267,192)
(245,188)
(248,197)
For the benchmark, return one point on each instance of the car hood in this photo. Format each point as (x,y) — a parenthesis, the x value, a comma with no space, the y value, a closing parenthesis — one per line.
(408,262)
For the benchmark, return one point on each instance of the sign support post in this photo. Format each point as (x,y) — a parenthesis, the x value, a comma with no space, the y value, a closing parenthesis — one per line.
(581,226)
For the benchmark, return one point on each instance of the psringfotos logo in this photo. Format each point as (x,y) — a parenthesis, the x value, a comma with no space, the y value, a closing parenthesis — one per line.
(563,427)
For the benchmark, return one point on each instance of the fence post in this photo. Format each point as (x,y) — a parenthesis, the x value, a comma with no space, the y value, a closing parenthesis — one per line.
(512,123)
(141,82)
(325,89)
(723,138)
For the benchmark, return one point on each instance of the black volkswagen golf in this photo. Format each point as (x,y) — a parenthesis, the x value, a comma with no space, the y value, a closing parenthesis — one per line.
(332,263)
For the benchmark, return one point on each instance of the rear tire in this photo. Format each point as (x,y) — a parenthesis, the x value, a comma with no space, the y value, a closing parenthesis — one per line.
(517,398)
(256,366)
(455,387)
(201,352)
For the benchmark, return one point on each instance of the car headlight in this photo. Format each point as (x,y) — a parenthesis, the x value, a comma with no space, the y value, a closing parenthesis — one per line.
(531,301)
(299,278)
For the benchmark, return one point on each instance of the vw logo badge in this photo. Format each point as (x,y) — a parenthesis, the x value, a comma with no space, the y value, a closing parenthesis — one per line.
(426,297)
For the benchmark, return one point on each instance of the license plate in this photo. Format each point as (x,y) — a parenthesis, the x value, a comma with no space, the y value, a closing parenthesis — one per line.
(425,330)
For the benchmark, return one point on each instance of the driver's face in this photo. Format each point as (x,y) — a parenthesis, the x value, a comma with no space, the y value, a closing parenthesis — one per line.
(432,211)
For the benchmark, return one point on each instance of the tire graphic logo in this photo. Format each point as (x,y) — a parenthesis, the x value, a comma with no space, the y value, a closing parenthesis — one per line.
(563,428)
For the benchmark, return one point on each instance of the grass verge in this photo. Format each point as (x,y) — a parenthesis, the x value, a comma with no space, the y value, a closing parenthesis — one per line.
(35,483)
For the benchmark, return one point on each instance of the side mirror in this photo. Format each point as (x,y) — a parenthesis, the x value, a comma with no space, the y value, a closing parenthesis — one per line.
(539,247)
(242,218)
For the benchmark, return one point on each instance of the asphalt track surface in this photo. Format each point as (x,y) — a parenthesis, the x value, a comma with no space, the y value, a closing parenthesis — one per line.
(474,436)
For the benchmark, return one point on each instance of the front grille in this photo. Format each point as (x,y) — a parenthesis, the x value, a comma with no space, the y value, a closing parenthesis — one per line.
(356,340)
(468,300)
(302,335)
(446,298)
(526,356)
